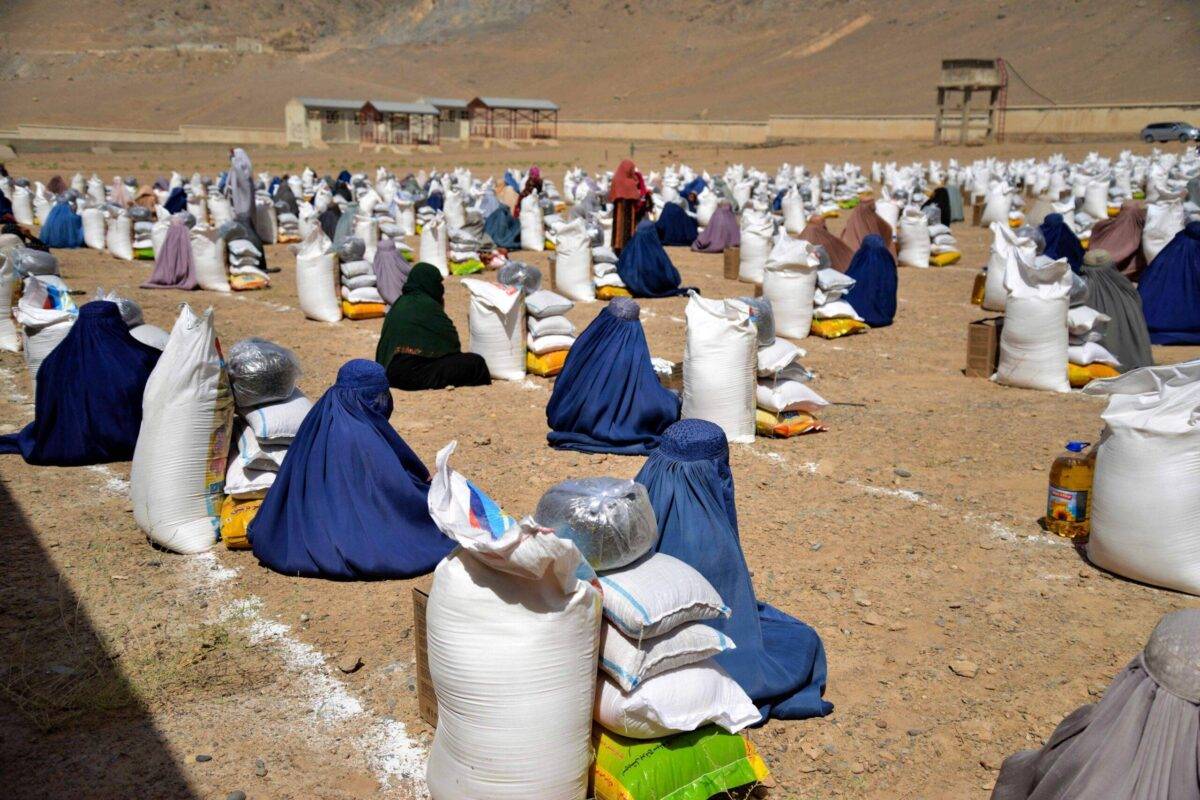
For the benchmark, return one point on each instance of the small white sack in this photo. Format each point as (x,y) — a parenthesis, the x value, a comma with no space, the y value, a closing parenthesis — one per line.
(656,594)
(788,395)
(178,473)
(533,229)
(758,228)
(118,238)
(719,364)
(258,455)
(545,303)
(1145,502)
(245,482)
(1087,323)
(1005,246)
(1163,221)
(1091,353)
(93,228)
(278,422)
(435,244)
(540,345)
(9,340)
(789,283)
(41,328)
(573,269)
(794,220)
(22,202)
(914,238)
(557,325)
(266,224)
(836,309)
(777,356)
(496,321)
(1095,198)
(680,700)
(1033,341)
(629,662)
(152,335)
(317,280)
(208,253)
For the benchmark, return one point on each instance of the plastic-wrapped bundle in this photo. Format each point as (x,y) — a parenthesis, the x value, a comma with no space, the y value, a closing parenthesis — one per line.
(131,312)
(520,275)
(353,249)
(262,372)
(27,261)
(763,317)
(609,519)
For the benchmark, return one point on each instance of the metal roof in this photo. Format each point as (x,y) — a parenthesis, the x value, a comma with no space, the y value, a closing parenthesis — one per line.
(391,107)
(319,102)
(518,102)
(445,102)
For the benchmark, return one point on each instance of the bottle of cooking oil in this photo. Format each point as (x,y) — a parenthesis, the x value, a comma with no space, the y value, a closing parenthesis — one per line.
(978,288)
(1068,503)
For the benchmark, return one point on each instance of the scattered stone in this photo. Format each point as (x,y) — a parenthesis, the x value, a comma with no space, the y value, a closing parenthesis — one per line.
(203,759)
(897,626)
(964,669)
(902,473)
(881,724)
(915,732)
(829,748)
(871,618)
(304,618)
(236,795)
(349,664)
(991,761)
(482,441)
(260,768)
(857,768)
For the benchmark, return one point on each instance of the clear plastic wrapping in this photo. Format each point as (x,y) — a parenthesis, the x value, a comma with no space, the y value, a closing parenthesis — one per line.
(521,275)
(27,261)
(610,520)
(261,372)
(764,319)
(131,312)
(352,248)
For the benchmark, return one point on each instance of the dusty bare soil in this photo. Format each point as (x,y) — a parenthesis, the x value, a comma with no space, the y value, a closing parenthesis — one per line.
(120,664)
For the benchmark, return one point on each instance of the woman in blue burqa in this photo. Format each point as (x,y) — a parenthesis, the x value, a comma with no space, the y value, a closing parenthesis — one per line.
(873,294)
(779,661)
(63,228)
(1170,290)
(676,227)
(503,228)
(644,266)
(1061,241)
(350,501)
(607,398)
(88,407)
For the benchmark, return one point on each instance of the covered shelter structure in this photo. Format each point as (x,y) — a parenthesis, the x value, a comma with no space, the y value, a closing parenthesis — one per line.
(316,122)
(389,122)
(512,118)
(452,116)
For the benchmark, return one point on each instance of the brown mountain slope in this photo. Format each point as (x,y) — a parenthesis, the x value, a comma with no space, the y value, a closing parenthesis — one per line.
(116,62)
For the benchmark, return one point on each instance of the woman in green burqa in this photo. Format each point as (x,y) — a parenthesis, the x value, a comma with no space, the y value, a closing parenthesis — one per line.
(419,346)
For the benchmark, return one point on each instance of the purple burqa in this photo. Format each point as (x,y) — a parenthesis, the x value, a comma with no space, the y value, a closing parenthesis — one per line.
(174,267)
(722,231)
(391,271)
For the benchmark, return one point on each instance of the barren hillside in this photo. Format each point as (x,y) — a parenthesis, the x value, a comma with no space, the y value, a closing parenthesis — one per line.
(141,64)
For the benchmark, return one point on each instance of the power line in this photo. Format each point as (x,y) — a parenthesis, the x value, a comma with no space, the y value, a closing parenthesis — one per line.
(1009,64)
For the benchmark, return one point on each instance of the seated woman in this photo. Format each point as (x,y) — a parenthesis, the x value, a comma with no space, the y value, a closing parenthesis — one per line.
(644,266)
(873,295)
(817,232)
(1061,241)
(391,271)
(1138,743)
(1111,293)
(351,498)
(607,398)
(779,661)
(63,228)
(864,220)
(1170,290)
(676,227)
(504,229)
(419,346)
(174,264)
(722,231)
(88,408)
(1121,236)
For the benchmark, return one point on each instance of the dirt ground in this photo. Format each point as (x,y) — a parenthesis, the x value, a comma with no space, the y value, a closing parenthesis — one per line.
(130,672)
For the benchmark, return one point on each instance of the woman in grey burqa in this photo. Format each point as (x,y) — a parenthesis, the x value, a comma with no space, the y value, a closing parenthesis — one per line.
(1138,743)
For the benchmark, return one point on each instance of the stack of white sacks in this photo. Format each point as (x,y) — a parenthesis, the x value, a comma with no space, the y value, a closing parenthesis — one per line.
(270,409)
(551,334)
(1086,328)
(359,295)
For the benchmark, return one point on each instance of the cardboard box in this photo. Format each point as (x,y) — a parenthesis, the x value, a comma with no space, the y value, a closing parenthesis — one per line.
(983,347)
(733,260)
(427,707)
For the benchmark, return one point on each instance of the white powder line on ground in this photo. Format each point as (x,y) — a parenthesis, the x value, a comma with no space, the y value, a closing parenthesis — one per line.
(113,483)
(271,304)
(532,385)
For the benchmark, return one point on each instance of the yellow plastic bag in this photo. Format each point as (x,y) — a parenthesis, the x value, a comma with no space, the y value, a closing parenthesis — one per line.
(834,328)
(363,310)
(236,516)
(687,766)
(944,259)
(468,267)
(785,424)
(1081,376)
(286,238)
(247,283)
(609,292)
(549,245)
(546,365)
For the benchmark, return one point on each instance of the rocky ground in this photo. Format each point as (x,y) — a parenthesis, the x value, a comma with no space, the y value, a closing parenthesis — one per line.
(957,631)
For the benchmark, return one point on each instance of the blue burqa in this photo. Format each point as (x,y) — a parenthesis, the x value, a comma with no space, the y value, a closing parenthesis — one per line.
(1061,241)
(88,408)
(676,228)
(435,201)
(779,661)
(176,201)
(873,295)
(644,266)
(607,398)
(350,499)
(1170,290)
(504,228)
(63,227)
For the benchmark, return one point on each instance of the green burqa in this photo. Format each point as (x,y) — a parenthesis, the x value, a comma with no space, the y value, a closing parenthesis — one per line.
(417,324)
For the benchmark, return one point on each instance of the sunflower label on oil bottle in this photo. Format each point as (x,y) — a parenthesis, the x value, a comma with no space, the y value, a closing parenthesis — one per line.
(1067,503)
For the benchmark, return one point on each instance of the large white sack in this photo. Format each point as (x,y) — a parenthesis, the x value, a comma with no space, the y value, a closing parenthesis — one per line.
(513,638)
(1095,198)
(178,474)
(996,205)
(22,203)
(1163,221)
(197,206)
(496,322)
(119,237)
(158,234)
(888,210)
(9,339)
(706,204)
(220,210)
(43,202)
(719,366)
(406,218)
(789,282)
(367,229)
(266,223)
(913,235)
(93,228)
(533,228)
(454,209)
(573,270)
(318,282)
(758,230)
(794,220)
(41,328)
(1033,341)
(1145,504)
(1005,246)
(208,253)
(680,700)
(435,243)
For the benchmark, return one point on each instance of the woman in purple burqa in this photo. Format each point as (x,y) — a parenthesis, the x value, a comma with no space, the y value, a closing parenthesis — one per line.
(722,231)
(174,267)
(391,271)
